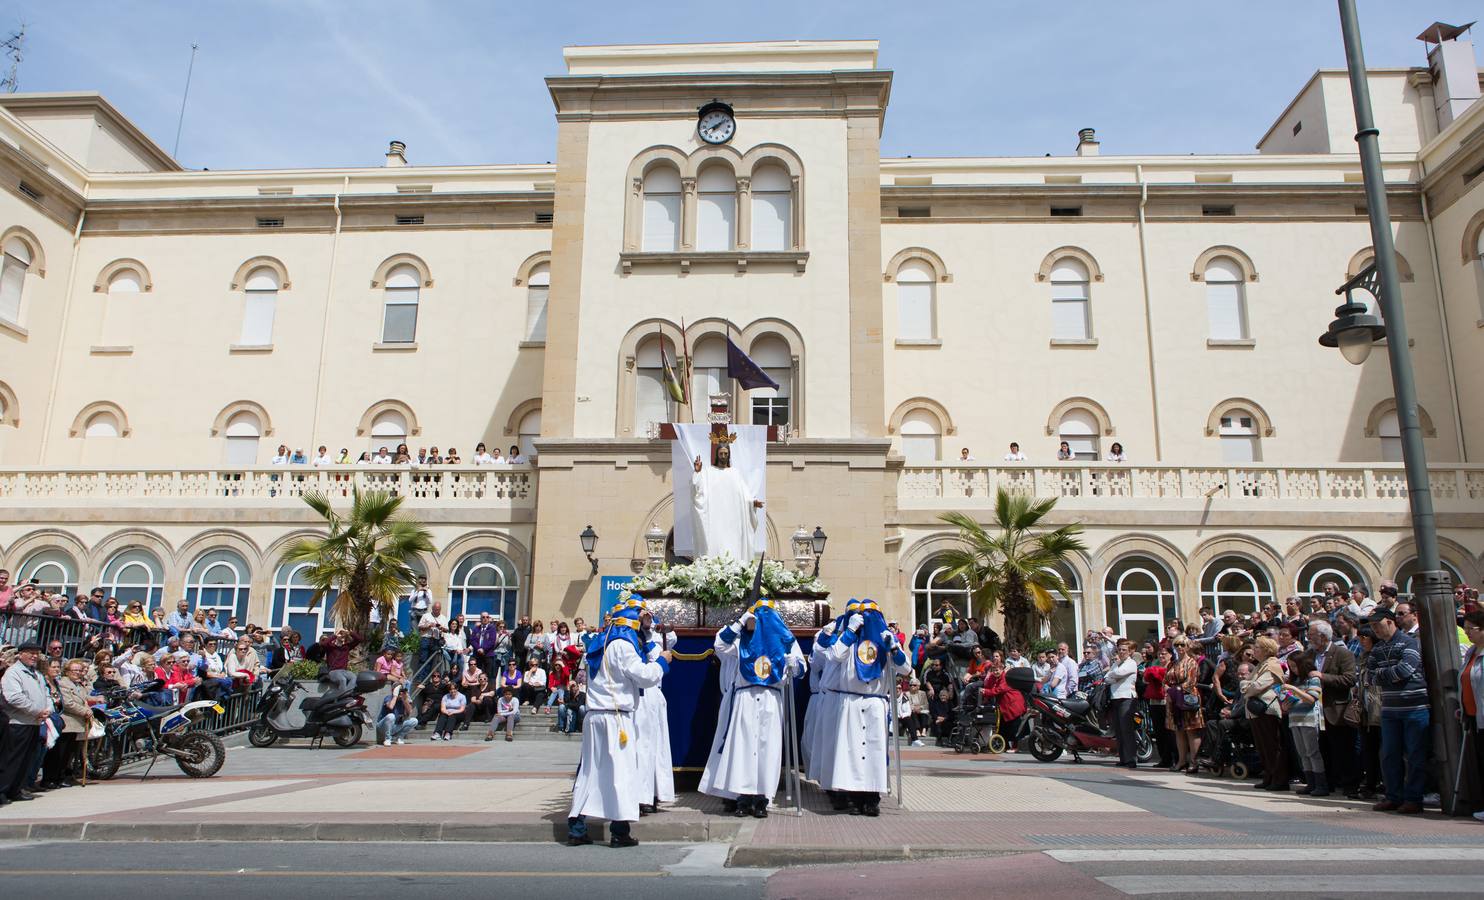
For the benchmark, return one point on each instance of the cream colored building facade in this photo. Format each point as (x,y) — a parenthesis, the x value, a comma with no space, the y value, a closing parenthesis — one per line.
(162,331)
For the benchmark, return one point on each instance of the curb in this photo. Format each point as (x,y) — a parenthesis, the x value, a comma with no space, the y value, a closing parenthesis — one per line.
(747,857)
(509,832)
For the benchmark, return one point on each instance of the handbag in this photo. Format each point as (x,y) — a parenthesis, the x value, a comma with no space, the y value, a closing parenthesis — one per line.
(1354,713)
(95,729)
(1180,699)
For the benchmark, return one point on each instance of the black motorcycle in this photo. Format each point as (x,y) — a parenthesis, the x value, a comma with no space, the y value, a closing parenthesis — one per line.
(1075,725)
(339,712)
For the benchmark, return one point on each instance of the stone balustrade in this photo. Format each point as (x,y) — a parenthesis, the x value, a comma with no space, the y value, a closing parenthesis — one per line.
(1377,485)
(436,486)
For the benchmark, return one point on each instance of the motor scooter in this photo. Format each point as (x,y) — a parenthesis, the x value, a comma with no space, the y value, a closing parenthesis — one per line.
(339,712)
(1073,725)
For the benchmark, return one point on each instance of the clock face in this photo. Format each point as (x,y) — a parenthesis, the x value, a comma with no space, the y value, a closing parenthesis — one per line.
(716,127)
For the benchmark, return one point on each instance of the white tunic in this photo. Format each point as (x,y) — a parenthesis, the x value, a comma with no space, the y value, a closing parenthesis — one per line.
(730,663)
(747,755)
(820,666)
(607,783)
(652,721)
(857,755)
(722,514)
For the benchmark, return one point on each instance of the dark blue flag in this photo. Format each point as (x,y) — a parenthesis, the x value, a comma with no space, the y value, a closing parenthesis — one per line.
(748,373)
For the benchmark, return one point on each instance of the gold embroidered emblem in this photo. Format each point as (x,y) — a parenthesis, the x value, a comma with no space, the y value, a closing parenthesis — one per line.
(865,651)
(762,667)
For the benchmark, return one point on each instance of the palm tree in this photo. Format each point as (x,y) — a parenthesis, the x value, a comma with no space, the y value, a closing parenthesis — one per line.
(1014,570)
(364,557)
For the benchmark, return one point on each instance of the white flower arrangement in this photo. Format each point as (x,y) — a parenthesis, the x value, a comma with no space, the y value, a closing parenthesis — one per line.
(722,581)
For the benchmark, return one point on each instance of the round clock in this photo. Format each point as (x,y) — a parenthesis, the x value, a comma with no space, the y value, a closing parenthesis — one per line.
(716,123)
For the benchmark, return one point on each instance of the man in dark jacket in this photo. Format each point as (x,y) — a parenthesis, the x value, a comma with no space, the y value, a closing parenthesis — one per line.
(482,642)
(1336,665)
(518,640)
(1396,662)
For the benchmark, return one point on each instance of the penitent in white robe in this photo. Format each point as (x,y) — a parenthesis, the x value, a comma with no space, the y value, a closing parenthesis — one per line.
(722,515)
(607,783)
(652,719)
(747,752)
(730,663)
(854,757)
(821,669)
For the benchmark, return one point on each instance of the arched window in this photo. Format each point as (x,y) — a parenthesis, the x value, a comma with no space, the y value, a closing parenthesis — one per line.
(931,589)
(770,406)
(772,208)
(52,568)
(241,437)
(538,288)
(528,431)
(291,607)
(118,307)
(15,262)
(1389,430)
(484,581)
(1479,268)
(922,438)
(399,322)
(708,372)
(1065,622)
(1317,571)
(101,424)
(661,209)
(917,312)
(1235,583)
(388,429)
(652,400)
(1226,299)
(1139,593)
(1408,573)
(219,580)
(260,303)
(1240,442)
(716,208)
(1071,312)
(1079,428)
(134,574)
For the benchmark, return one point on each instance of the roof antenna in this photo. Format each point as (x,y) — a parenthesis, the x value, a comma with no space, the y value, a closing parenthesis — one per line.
(13,46)
(181,120)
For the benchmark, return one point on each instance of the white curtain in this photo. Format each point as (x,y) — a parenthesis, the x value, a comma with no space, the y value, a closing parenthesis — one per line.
(538,288)
(915,301)
(1069,301)
(661,209)
(772,208)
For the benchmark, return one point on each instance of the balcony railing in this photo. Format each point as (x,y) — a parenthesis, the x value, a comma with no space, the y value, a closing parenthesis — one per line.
(942,485)
(513,486)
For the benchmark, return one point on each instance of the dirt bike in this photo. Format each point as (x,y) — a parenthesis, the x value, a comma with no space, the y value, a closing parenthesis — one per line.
(130,725)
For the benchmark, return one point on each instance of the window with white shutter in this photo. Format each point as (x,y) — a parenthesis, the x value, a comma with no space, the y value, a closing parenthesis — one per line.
(1070,319)
(1226,300)
(652,402)
(916,299)
(716,208)
(922,438)
(1389,430)
(260,304)
(661,209)
(119,307)
(15,261)
(708,373)
(527,431)
(242,435)
(770,406)
(772,208)
(388,429)
(1239,439)
(538,287)
(399,321)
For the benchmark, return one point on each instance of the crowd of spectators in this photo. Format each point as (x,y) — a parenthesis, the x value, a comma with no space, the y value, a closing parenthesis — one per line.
(1064,453)
(1328,692)
(401,456)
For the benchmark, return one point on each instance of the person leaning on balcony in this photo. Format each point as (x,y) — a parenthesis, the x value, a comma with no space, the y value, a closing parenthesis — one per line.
(281,456)
(1014,455)
(1116,454)
(1064,451)
(180,621)
(452,458)
(322,456)
(134,616)
(7,590)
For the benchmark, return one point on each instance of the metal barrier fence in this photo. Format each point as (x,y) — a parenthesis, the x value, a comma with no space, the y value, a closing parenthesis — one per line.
(19,628)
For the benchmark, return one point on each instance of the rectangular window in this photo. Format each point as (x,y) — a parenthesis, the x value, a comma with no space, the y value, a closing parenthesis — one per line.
(545,218)
(12,280)
(770,407)
(661,222)
(1069,311)
(770,225)
(704,383)
(920,449)
(1391,448)
(257,318)
(716,221)
(400,324)
(536,297)
(1065,211)
(1224,302)
(915,303)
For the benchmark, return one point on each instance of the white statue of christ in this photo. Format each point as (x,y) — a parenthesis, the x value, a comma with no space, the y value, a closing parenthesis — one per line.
(725,516)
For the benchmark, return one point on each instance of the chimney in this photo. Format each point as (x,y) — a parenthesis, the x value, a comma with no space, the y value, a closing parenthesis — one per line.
(1087,142)
(1455,75)
(396,154)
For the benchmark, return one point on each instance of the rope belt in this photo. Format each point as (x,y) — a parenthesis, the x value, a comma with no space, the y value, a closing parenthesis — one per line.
(858,694)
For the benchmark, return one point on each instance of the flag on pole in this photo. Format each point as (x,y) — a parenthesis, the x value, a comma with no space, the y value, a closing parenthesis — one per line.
(748,373)
(673,385)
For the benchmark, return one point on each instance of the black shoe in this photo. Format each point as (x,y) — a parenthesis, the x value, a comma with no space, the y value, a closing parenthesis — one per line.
(759,811)
(22,795)
(728,806)
(583,841)
(739,811)
(646,809)
(627,840)
(871,809)
(838,801)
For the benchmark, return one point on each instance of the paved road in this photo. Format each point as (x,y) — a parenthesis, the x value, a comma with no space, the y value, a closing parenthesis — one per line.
(121,871)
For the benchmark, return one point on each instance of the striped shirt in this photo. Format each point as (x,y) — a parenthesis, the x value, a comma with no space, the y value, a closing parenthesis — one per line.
(1397,665)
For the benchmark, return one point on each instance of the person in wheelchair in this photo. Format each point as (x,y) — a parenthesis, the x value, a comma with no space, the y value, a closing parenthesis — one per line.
(1008,703)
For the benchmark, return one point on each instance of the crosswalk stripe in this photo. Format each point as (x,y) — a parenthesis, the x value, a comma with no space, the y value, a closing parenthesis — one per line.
(1190,883)
(1331,854)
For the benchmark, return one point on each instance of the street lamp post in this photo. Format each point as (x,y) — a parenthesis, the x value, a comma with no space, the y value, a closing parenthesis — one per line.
(1352,332)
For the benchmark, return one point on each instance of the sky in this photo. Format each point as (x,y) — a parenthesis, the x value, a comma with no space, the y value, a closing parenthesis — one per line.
(322,83)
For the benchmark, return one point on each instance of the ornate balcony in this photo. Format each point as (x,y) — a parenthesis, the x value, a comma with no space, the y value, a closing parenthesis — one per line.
(1455,488)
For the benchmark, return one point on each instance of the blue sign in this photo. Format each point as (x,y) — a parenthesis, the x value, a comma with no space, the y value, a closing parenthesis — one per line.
(610,587)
